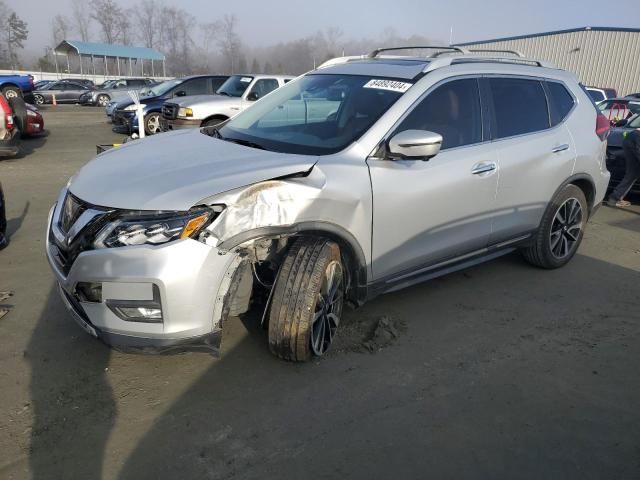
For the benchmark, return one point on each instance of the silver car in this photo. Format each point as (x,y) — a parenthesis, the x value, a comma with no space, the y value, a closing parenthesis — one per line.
(362,177)
(234,95)
(116,90)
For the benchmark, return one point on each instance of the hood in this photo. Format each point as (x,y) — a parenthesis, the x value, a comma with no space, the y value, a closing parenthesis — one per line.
(197,100)
(177,170)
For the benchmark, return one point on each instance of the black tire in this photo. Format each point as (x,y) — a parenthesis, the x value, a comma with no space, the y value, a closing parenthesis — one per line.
(19,109)
(151,119)
(11,92)
(102,100)
(39,99)
(303,293)
(558,239)
(212,122)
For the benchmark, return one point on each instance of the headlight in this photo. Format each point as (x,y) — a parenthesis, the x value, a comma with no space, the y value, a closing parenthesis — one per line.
(131,108)
(153,229)
(185,112)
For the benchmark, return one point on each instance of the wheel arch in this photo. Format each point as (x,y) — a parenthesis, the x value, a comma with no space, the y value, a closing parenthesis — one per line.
(217,116)
(350,248)
(11,85)
(585,183)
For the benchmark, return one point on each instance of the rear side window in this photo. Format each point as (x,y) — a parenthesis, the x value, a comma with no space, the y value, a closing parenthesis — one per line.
(519,105)
(452,110)
(596,95)
(560,102)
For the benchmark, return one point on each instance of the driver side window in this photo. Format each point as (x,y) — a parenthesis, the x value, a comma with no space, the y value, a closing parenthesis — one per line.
(453,110)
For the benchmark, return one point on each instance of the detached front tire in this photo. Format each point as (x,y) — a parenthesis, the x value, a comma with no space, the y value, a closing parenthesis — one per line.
(561,230)
(307,302)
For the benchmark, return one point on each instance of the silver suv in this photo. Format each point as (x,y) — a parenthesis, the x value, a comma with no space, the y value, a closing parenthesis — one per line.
(361,177)
(234,95)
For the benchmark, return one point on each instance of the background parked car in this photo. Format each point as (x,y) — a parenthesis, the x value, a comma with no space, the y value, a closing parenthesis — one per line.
(26,117)
(41,83)
(615,154)
(115,90)
(65,92)
(125,118)
(616,109)
(9,133)
(633,96)
(82,81)
(599,94)
(15,85)
(236,94)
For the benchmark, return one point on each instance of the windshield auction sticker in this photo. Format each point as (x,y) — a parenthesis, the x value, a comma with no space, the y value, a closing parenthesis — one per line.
(245,79)
(392,85)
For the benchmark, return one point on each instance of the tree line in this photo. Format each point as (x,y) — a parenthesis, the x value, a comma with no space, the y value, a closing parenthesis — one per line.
(190,46)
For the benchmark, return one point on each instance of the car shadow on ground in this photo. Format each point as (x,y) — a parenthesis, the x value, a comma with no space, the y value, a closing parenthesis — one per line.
(14,224)
(30,144)
(505,371)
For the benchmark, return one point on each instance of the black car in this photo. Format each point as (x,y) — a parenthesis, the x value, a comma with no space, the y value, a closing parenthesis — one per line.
(615,153)
(124,117)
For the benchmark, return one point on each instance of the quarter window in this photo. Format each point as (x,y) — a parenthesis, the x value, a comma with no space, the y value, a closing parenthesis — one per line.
(519,105)
(560,102)
(452,110)
(264,86)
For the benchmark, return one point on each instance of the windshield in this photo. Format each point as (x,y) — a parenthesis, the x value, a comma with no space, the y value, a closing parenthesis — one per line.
(316,114)
(234,86)
(164,87)
(107,84)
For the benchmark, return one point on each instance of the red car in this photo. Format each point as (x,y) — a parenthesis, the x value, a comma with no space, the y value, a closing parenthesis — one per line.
(34,124)
(9,133)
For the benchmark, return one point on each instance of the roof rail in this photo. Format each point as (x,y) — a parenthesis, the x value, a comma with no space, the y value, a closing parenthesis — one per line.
(491,50)
(377,51)
(460,59)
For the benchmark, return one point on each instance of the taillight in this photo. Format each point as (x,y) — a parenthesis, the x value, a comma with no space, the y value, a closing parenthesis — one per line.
(5,110)
(603,126)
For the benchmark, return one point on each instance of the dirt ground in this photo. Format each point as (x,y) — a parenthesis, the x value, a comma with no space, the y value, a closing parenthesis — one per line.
(502,371)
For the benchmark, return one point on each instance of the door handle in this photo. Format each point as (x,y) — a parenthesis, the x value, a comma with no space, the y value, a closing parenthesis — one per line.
(480,168)
(560,148)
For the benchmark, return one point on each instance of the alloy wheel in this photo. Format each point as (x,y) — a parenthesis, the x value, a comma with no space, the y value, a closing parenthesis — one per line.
(328,309)
(566,228)
(39,99)
(153,124)
(10,93)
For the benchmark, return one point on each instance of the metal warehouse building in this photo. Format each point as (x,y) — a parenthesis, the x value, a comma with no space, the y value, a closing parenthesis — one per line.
(599,56)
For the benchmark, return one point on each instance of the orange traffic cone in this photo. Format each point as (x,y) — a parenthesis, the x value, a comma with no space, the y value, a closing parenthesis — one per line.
(54,101)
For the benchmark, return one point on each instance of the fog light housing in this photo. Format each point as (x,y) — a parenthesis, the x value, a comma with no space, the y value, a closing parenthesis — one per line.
(89,292)
(144,311)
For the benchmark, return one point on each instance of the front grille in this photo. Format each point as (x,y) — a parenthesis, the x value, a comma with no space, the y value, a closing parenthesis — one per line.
(121,119)
(170,111)
(65,253)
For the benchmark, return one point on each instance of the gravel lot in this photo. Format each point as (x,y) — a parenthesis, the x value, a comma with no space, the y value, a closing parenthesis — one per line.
(501,371)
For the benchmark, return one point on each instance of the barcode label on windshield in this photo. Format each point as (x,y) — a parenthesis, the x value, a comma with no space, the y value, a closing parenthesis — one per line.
(392,85)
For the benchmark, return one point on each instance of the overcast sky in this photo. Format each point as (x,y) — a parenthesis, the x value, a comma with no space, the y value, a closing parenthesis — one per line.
(266,22)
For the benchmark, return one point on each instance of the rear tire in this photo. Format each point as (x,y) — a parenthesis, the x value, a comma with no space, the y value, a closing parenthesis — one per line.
(19,109)
(307,301)
(38,99)
(11,92)
(561,230)
(102,100)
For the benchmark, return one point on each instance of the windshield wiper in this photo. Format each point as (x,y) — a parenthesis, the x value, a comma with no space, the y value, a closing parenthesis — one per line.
(246,143)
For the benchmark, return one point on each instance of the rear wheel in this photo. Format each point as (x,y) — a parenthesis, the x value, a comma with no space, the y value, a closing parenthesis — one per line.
(307,301)
(561,230)
(102,100)
(38,99)
(152,123)
(11,92)
(19,109)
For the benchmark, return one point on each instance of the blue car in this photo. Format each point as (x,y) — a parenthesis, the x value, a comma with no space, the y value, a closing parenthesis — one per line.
(124,116)
(615,153)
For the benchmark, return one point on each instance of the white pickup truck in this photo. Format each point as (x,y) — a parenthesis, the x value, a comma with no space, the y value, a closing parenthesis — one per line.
(233,96)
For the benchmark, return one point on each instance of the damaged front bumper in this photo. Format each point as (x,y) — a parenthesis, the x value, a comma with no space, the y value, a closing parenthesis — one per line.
(188,281)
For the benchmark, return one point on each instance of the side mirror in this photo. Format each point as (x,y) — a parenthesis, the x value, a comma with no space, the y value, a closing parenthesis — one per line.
(181,93)
(253,96)
(415,144)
